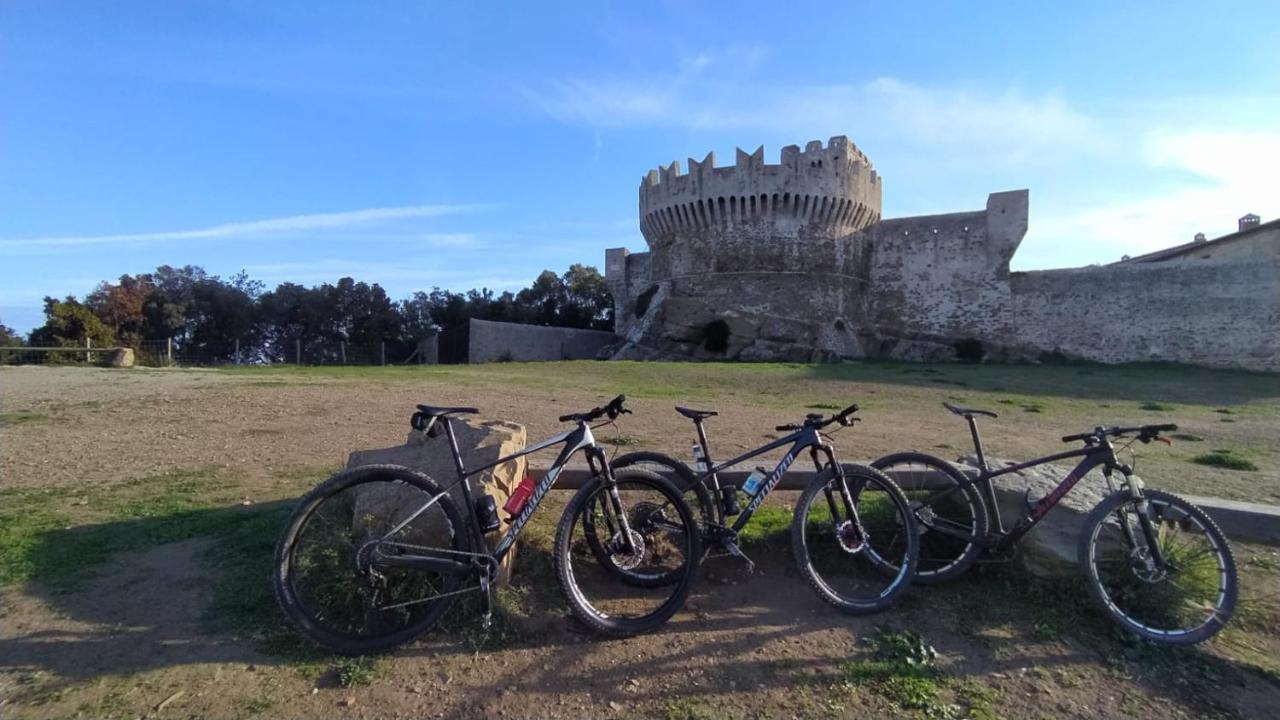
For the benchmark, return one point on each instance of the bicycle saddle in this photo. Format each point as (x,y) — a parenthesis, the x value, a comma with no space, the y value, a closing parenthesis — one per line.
(696,414)
(967,412)
(434,411)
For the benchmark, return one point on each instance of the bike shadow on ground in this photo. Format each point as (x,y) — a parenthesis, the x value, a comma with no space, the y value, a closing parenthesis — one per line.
(196,592)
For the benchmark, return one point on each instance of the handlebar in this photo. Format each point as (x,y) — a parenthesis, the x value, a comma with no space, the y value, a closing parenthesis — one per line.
(1146,433)
(613,409)
(816,421)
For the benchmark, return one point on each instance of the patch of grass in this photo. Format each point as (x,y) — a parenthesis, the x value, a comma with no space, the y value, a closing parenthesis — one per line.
(900,670)
(255,706)
(1225,459)
(978,699)
(1224,411)
(1187,437)
(1154,406)
(689,709)
(356,671)
(771,524)
(20,417)
(39,542)
(823,406)
(1033,408)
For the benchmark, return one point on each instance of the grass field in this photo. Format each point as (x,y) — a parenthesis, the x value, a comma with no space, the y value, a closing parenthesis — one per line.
(138,511)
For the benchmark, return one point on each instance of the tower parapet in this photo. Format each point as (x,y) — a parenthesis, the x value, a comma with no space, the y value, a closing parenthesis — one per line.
(832,188)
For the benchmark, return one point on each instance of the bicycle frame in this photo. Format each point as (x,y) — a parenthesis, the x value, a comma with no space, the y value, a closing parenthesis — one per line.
(579,438)
(805,437)
(1092,456)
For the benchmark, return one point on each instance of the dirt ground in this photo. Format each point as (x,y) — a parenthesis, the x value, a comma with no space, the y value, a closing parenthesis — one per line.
(136,641)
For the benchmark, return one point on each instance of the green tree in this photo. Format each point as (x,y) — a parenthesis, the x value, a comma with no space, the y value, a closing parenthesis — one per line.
(8,337)
(68,323)
(587,301)
(122,307)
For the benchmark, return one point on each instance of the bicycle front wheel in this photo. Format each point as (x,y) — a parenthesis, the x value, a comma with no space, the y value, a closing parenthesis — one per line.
(659,541)
(847,531)
(1182,597)
(332,576)
(695,495)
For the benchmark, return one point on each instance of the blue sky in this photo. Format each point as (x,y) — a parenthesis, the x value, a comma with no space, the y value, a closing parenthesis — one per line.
(465,145)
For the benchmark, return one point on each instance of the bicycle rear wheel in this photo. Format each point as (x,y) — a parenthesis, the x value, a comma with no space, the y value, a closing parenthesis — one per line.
(665,544)
(328,577)
(844,535)
(1182,601)
(949,512)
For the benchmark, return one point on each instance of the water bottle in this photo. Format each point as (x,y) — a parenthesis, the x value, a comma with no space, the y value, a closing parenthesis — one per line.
(523,492)
(754,481)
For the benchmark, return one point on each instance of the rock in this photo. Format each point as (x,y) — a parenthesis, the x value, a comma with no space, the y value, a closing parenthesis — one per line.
(119,358)
(480,444)
(1050,549)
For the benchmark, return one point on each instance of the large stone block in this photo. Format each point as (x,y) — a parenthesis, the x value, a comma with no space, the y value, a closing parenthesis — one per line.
(479,444)
(1050,549)
(119,358)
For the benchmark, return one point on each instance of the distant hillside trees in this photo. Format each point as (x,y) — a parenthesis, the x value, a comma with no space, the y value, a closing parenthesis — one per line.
(213,318)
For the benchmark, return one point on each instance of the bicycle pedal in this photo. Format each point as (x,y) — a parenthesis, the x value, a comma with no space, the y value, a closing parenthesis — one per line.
(736,551)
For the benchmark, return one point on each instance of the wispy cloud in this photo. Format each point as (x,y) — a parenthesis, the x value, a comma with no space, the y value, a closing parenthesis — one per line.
(1004,125)
(415,272)
(257,228)
(1232,173)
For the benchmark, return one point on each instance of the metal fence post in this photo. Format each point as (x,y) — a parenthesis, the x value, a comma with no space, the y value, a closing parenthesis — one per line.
(168,352)
(383,352)
(87,344)
(297,351)
(343,350)
(237,351)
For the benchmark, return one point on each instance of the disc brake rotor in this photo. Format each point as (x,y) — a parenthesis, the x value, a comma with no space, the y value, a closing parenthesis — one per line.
(628,560)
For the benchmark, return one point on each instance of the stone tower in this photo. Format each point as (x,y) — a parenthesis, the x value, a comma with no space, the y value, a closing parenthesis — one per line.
(754,260)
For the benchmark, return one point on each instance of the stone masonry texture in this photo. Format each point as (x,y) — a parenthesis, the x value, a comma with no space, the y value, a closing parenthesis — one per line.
(793,262)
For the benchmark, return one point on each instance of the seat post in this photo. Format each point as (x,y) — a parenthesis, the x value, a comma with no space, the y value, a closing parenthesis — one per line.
(706,452)
(453,445)
(977,443)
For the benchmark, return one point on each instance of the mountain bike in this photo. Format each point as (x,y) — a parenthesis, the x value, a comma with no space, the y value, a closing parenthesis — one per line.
(376,555)
(850,523)
(1156,564)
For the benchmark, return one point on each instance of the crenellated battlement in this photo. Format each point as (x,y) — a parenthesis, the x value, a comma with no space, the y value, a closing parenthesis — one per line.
(831,185)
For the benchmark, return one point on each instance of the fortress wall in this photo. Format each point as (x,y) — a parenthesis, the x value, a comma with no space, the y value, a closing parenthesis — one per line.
(498,341)
(1216,314)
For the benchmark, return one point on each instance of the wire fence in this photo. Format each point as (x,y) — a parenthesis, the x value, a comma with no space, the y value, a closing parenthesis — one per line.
(174,353)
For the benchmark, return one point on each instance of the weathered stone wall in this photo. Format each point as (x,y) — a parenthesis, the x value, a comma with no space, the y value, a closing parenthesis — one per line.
(792,262)
(1222,314)
(498,341)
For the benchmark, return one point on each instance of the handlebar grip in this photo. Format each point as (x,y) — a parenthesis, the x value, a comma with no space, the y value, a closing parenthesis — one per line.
(1073,438)
(567,418)
(786,428)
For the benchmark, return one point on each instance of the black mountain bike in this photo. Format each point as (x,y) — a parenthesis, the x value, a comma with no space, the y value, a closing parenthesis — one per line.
(850,524)
(1155,563)
(376,555)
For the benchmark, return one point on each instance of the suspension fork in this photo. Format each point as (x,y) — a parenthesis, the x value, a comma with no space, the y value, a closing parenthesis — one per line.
(599,465)
(846,497)
(1134,489)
